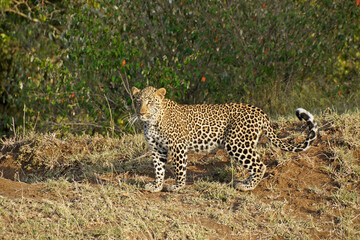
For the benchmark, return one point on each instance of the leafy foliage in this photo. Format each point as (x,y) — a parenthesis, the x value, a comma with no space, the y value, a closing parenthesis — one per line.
(69,64)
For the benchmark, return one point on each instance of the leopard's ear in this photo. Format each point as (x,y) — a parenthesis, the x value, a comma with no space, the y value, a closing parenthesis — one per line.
(135,91)
(161,92)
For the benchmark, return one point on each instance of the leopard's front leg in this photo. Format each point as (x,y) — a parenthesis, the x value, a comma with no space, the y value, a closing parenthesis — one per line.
(179,159)
(159,159)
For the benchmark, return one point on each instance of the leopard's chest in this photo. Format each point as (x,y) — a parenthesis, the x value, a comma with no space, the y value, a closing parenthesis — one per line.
(155,138)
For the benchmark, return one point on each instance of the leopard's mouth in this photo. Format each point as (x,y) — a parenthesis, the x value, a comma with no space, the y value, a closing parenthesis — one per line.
(144,117)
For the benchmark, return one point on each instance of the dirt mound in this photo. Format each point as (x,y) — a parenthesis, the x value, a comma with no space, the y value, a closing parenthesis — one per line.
(295,177)
(8,168)
(9,172)
(12,189)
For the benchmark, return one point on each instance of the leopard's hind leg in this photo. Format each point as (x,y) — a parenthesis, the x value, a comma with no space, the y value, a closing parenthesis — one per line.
(241,146)
(257,169)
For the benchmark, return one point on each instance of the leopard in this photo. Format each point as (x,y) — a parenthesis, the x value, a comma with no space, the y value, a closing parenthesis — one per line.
(172,130)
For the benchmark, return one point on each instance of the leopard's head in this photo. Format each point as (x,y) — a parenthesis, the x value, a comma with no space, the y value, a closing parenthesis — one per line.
(148,102)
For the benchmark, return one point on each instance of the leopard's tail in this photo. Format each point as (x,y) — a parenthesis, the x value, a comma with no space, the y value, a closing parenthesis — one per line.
(302,114)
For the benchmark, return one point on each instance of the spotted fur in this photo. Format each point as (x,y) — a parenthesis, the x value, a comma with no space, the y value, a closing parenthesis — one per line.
(177,129)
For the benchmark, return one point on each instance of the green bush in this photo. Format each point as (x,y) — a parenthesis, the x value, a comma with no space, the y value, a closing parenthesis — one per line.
(70,64)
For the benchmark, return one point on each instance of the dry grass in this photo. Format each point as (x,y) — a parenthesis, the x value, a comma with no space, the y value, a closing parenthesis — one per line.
(82,187)
(72,157)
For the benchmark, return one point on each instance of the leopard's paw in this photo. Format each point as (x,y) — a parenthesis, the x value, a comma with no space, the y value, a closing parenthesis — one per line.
(152,187)
(244,186)
(175,187)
